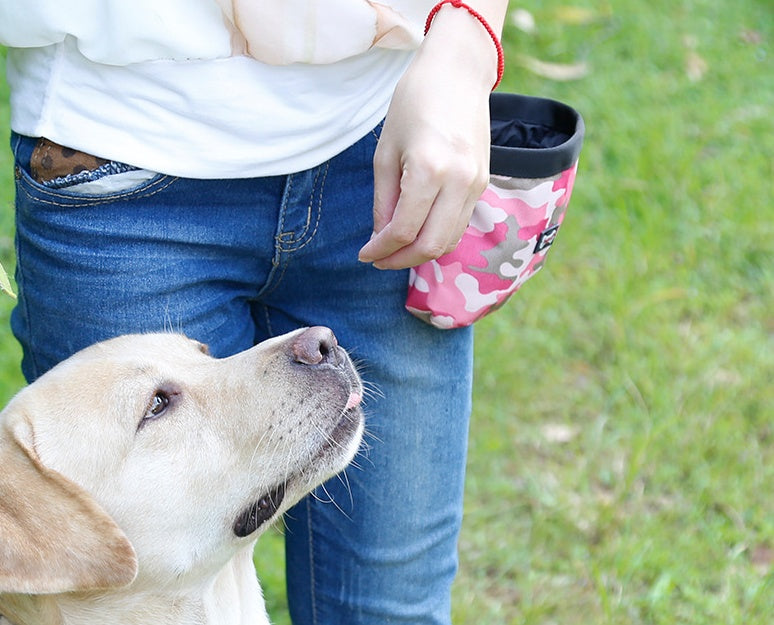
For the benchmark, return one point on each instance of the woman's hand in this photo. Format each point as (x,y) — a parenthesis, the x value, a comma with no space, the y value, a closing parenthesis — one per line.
(432,160)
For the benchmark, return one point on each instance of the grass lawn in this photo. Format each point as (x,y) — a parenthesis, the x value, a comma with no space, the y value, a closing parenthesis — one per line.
(621,464)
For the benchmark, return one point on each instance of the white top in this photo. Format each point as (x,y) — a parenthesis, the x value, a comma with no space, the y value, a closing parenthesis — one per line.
(224,118)
(207,88)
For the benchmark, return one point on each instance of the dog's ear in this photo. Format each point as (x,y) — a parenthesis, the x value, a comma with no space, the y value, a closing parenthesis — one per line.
(53,536)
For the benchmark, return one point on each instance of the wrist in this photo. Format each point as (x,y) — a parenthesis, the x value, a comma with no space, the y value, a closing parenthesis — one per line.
(476,39)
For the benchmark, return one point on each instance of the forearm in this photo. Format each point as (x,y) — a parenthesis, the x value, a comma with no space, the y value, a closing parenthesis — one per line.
(465,40)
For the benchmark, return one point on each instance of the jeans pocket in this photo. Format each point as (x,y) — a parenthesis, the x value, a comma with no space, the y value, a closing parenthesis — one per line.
(55,173)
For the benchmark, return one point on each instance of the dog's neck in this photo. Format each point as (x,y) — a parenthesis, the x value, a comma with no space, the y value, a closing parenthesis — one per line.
(233,597)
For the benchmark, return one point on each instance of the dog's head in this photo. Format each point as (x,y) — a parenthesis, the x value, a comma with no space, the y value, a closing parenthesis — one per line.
(143,453)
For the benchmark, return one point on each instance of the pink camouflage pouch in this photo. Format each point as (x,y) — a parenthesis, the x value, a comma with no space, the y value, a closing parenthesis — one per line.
(534,156)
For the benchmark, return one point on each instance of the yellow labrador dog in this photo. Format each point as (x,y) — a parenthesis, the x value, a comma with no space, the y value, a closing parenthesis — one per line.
(136,476)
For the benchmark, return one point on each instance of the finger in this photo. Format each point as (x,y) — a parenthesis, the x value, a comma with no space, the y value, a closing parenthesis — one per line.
(387,177)
(387,174)
(407,219)
(439,235)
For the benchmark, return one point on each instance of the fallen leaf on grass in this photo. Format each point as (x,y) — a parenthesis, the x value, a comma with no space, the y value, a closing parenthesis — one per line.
(695,65)
(523,20)
(752,37)
(762,558)
(577,16)
(559,433)
(5,283)
(561,72)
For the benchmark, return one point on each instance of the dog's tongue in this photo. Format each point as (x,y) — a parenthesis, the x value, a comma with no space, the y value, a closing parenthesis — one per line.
(354,400)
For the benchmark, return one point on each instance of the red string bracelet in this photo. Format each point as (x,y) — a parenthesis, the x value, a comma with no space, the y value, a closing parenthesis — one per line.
(458,4)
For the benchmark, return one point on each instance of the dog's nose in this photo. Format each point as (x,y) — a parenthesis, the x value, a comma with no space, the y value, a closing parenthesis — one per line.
(315,346)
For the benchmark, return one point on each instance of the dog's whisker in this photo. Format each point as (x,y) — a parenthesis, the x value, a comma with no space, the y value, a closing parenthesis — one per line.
(355,464)
(372,391)
(368,434)
(344,479)
(331,500)
(317,497)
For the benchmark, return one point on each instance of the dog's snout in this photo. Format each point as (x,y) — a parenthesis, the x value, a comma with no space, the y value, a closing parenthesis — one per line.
(315,346)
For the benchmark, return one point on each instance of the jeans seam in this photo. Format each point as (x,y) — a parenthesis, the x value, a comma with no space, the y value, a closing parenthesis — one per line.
(78,202)
(267,318)
(379,127)
(306,236)
(23,304)
(15,145)
(273,280)
(312,584)
(283,212)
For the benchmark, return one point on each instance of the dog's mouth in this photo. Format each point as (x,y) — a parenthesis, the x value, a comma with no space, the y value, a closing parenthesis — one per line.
(346,428)
(264,508)
(259,512)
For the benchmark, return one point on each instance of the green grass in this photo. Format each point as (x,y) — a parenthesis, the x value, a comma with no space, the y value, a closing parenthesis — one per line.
(10,353)
(622,445)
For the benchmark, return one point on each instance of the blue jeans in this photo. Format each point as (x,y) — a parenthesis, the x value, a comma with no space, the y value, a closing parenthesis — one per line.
(232,262)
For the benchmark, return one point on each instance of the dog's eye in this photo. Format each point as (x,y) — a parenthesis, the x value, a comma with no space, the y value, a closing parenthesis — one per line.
(162,399)
(158,405)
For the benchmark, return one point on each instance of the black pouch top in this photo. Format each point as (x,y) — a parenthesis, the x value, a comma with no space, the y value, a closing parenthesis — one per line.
(533,137)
